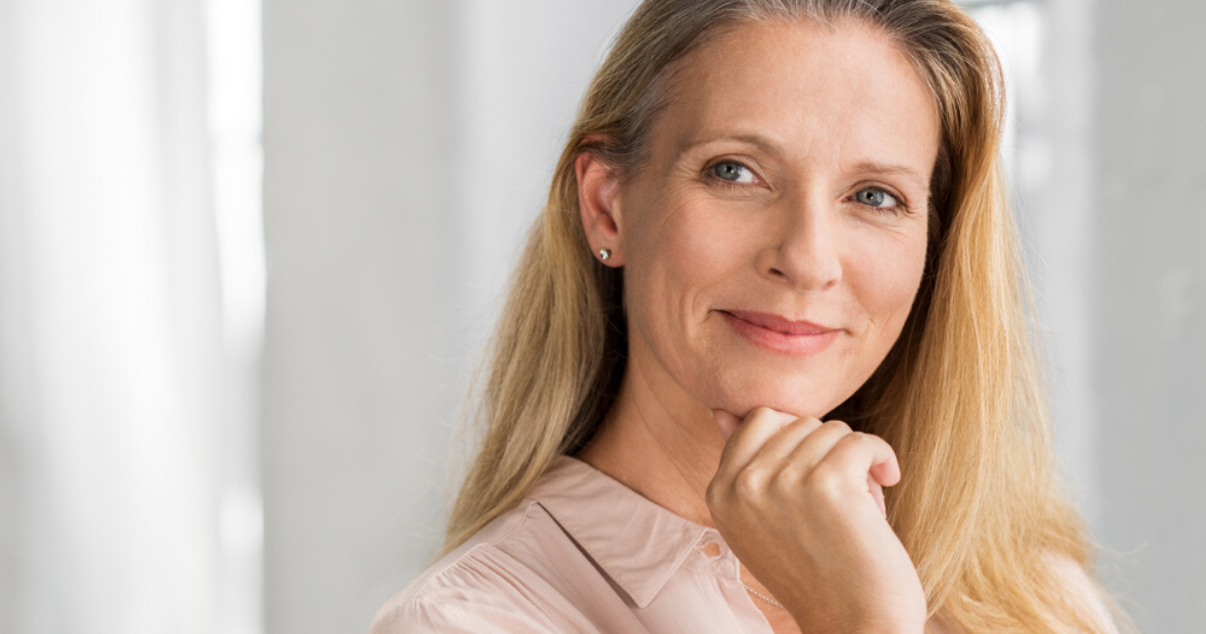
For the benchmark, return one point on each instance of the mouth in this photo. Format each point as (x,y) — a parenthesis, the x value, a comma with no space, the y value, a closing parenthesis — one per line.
(779,334)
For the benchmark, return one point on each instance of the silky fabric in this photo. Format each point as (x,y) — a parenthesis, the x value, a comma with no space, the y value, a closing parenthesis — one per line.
(582,553)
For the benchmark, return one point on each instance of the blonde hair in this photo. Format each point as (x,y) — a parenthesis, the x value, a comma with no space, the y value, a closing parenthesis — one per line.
(959,396)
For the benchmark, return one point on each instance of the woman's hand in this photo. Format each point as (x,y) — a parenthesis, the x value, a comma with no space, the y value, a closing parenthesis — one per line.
(799,502)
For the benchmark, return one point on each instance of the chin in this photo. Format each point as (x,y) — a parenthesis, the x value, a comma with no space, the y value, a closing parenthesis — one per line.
(741,383)
(798,403)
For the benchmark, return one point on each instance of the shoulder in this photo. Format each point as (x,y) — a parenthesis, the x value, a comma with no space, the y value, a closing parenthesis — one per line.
(580,553)
(501,580)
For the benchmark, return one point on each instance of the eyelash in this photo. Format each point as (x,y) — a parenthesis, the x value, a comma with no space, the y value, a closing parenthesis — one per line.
(710,174)
(900,208)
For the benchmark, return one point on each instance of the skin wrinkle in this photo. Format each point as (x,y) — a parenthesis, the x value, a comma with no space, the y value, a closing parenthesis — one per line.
(689,481)
(678,464)
(706,137)
(808,146)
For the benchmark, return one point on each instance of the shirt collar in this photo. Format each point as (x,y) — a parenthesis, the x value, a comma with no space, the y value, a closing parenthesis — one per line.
(633,540)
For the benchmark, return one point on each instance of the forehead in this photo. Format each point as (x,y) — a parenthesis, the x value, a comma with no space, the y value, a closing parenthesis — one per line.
(815,89)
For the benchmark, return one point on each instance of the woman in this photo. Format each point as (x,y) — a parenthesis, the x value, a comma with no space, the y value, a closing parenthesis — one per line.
(769,213)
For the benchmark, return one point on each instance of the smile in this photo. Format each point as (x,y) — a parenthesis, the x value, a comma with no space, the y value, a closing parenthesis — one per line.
(778,334)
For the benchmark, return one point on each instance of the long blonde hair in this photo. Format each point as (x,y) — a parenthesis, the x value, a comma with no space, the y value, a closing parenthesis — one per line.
(959,397)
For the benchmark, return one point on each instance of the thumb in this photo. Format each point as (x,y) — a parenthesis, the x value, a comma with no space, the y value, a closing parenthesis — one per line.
(727,423)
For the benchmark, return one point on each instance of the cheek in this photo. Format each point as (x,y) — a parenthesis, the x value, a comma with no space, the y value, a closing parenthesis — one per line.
(685,260)
(677,251)
(886,277)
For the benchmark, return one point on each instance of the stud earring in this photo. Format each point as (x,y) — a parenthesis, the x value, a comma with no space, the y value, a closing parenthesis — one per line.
(604,254)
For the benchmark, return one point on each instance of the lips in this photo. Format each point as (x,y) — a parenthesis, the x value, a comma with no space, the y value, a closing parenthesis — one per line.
(780,324)
(779,334)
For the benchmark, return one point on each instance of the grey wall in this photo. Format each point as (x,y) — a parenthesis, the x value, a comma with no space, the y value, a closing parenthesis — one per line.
(407,146)
(1149,284)
(358,175)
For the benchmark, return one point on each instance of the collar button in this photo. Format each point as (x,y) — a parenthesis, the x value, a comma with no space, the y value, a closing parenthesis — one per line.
(711,549)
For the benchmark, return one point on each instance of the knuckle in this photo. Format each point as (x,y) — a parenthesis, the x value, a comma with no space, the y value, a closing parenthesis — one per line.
(714,496)
(759,413)
(859,438)
(851,446)
(807,423)
(749,482)
(827,479)
(789,480)
(869,441)
(881,442)
(839,426)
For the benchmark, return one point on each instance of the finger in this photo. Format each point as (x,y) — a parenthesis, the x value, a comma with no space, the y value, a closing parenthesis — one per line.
(727,423)
(782,445)
(753,432)
(865,455)
(887,473)
(877,491)
(813,449)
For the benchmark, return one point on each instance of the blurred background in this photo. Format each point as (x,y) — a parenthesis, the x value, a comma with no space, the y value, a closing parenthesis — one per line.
(250,251)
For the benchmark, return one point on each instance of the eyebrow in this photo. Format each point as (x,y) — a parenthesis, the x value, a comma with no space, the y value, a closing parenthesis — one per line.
(757,140)
(886,169)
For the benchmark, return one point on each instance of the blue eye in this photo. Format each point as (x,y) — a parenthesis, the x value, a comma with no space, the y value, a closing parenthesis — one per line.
(876,197)
(732,172)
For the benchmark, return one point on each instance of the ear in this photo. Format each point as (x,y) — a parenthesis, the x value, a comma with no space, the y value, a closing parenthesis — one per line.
(599,203)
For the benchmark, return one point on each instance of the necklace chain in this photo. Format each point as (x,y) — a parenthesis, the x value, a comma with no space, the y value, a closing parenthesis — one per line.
(763,597)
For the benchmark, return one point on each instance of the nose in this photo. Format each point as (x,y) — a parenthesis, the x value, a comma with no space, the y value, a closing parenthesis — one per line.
(805,252)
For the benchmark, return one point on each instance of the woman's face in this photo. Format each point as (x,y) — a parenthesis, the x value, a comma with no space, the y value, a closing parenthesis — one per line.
(775,238)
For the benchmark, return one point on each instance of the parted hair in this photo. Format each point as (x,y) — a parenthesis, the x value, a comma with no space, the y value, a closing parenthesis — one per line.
(959,397)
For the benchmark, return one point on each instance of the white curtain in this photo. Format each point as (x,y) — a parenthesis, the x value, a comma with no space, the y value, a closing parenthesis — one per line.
(117,388)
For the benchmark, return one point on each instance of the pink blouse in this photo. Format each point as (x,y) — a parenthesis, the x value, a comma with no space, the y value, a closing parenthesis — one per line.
(581,553)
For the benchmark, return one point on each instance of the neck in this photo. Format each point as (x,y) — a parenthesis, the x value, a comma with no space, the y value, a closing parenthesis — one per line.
(659,442)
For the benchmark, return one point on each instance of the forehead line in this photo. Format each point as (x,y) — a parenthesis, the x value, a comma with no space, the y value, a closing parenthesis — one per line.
(710,122)
(702,138)
(889,169)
